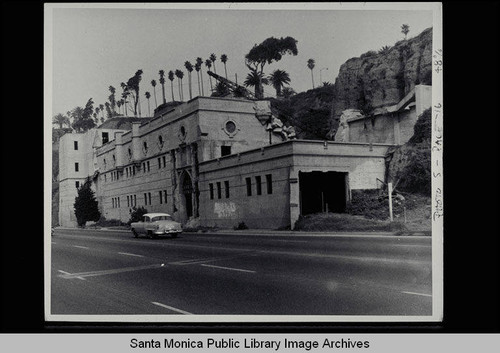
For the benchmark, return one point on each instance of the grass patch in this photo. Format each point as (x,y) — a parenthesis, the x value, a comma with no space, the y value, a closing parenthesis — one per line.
(345,222)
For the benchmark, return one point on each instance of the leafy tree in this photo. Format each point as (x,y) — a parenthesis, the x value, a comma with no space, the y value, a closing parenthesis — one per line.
(189,68)
(136,214)
(221,90)
(82,117)
(162,83)
(256,79)
(153,83)
(270,50)
(405,29)
(287,92)
(199,62)
(384,50)
(148,95)
(171,77)
(112,99)
(310,64)
(86,207)
(208,63)
(223,59)
(213,58)
(179,74)
(61,120)
(101,106)
(119,104)
(133,87)
(278,79)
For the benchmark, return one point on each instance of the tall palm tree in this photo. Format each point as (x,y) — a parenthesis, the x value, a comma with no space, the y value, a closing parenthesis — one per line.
(405,29)
(119,104)
(148,95)
(310,64)
(101,106)
(197,67)
(256,79)
(208,63)
(180,75)
(153,83)
(278,79)
(162,83)
(223,59)
(112,98)
(189,68)
(61,120)
(171,78)
(212,59)
(199,62)
(97,110)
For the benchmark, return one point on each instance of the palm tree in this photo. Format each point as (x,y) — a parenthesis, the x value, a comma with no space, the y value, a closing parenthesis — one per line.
(101,106)
(119,104)
(208,64)
(256,79)
(310,65)
(405,29)
(148,95)
(197,67)
(223,59)
(97,110)
(212,59)
(162,83)
(189,68)
(171,78)
(112,99)
(199,62)
(180,75)
(61,120)
(278,79)
(153,83)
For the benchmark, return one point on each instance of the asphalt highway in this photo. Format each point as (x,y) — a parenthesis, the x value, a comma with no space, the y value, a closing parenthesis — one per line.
(112,273)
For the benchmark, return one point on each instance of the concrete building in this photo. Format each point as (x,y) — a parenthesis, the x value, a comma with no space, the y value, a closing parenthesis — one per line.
(218,160)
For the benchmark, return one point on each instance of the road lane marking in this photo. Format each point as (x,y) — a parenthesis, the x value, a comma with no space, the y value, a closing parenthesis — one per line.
(129,254)
(80,247)
(412,245)
(109,272)
(172,308)
(422,294)
(228,268)
(69,274)
(291,241)
(210,259)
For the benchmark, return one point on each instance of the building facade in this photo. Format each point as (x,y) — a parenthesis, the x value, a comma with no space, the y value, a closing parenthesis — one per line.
(218,160)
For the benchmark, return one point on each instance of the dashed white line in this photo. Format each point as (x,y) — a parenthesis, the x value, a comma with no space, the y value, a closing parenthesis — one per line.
(129,254)
(422,294)
(108,272)
(172,308)
(80,247)
(69,274)
(228,268)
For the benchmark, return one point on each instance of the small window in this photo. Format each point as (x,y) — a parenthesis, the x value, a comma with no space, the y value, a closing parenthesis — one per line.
(118,201)
(145,146)
(269,183)
(249,186)
(160,140)
(105,178)
(75,145)
(226,188)
(258,185)
(76,167)
(230,127)
(159,163)
(117,176)
(148,166)
(135,200)
(164,161)
(126,172)
(105,137)
(149,198)
(211,191)
(165,195)
(225,150)
(128,201)
(145,199)
(129,153)
(133,170)
(219,190)
(161,197)
(77,184)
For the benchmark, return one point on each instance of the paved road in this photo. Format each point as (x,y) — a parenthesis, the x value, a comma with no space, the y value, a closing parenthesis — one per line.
(102,273)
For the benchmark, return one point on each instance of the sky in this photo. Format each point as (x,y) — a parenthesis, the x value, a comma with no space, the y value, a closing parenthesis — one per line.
(93,48)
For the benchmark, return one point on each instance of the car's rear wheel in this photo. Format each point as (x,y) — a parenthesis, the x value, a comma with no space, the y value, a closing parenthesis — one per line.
(135,233)
(151,234)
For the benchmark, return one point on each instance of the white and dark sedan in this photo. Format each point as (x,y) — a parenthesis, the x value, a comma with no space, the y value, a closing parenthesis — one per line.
(154,224)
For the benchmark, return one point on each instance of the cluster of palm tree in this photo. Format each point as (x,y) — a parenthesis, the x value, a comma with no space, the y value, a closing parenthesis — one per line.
(278,79)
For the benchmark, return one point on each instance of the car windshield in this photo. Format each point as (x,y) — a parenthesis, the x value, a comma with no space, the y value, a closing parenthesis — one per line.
(162,218)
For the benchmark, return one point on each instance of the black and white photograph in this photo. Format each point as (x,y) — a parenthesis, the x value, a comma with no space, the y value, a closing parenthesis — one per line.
(243,162)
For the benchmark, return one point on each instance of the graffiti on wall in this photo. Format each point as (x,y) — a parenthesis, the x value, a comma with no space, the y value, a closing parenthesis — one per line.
(225,209)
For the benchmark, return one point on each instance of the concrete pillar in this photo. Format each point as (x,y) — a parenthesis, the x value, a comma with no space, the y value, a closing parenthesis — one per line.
(136,142)
(294,196)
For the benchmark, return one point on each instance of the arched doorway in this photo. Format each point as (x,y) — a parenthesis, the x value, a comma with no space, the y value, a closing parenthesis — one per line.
(187,192)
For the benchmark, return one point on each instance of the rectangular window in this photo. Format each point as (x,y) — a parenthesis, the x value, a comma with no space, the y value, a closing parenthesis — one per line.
(113,202)
(117,176)
(249,186)
(148,165)
(77,184)
(128,201)
(145,199)
(135,200)
(258,185)
(211,191)
(269,183)
(226,187)
(76,167)
(225,150)
(161,197)
(149,198)
(105,178)
(165,195)
(219,190)
(164,161)
(75,145)
(126,172)
(133,170)
(159,163)
(118,201)
(105,138)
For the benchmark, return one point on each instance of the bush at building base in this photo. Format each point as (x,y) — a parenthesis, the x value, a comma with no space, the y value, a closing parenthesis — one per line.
(136,214)
(86,208)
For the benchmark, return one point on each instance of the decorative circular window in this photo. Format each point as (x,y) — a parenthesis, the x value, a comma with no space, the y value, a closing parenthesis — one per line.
(230,128)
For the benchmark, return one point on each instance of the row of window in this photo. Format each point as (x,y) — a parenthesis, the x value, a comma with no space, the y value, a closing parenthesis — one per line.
(132,199)
(258,185)
(115,202)
(219,189)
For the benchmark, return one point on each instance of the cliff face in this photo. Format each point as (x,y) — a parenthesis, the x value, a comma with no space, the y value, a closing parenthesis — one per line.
(380,79)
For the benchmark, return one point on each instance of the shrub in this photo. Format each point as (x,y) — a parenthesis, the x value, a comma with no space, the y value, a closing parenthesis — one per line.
(423,128)
(240,226)
(368,54)
(103,222)
(343,222)
(86,208)
(136,214)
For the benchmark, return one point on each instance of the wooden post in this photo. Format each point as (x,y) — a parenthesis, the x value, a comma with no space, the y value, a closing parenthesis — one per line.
(389,188)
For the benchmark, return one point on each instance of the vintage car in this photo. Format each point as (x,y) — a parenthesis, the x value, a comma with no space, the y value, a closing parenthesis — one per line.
(154,224)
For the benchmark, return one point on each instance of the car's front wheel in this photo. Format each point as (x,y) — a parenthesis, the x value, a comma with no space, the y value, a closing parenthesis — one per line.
(135,233)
